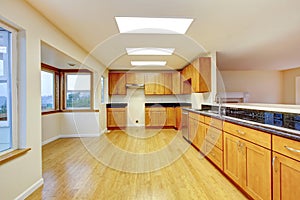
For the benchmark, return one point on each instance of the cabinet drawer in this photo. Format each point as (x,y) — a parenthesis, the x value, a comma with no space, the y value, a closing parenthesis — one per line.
(255,136)
(196,116)
(214,136)
(213,122)
(288,147)
(214,154)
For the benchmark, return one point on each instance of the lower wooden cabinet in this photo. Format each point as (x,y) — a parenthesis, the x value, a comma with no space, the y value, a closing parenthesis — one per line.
(286,178)
(116,118)
(249,165)
(286,168)
(155,117)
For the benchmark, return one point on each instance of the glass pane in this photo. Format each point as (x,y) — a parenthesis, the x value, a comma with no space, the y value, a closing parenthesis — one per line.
(78,82)
(5,91)
(76,99)
(47,81)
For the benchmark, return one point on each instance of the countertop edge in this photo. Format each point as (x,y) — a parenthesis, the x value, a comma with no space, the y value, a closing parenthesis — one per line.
(255,126)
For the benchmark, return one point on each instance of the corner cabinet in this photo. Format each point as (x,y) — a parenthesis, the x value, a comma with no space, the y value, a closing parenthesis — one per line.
(286,168)
(117,83)
(246,162)
(196,77)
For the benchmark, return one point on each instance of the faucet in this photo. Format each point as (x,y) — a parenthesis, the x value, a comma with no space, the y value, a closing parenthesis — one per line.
(219,101)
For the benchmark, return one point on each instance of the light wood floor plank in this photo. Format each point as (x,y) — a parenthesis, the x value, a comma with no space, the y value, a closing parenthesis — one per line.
(72,170)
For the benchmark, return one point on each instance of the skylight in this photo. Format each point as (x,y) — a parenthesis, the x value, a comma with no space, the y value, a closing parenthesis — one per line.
(153,25)
(150,51)
(148,63)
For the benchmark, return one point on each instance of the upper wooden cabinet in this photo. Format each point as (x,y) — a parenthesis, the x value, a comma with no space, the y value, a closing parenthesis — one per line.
(162,83)
(196,77)
(117,83)
(135,78)
(154,83)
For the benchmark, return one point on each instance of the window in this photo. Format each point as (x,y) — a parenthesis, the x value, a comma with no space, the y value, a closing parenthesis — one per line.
(78,90)
(102,89)
(7,91)
(48,93)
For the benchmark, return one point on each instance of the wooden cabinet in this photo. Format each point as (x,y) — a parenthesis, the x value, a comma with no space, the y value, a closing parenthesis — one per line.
(197,130)
(176,82)
(168,85)
(135,78)
(201,79)
(248,165)
(154,83)
(116,118)
(171,116)
(214,141)
(160,116)
(159,83)
(286,168)
(155,117)
(117,83)
(196,77)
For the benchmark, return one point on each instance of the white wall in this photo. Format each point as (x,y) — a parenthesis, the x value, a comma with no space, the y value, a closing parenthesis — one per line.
(262,86)
(289,85)
(21,175)
(51,126)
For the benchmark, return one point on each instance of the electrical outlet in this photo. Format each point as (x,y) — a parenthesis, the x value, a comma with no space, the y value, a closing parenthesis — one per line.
(136,121)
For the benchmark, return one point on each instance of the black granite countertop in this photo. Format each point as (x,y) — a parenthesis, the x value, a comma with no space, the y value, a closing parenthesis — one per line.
(171,104)
(116,105)
(284,132)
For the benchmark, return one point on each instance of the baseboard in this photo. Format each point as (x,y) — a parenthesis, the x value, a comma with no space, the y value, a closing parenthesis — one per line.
(80,135)
(135,125)
(73,136)
(30,190)
(50,140)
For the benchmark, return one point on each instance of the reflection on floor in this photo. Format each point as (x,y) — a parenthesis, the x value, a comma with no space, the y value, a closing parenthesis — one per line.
(130,164)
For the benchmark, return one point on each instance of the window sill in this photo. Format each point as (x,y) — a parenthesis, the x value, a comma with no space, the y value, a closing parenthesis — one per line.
(74,110)
(12,155)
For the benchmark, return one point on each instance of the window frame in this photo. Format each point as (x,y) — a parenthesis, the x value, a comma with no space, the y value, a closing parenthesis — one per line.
(12,116)
(77,72)
(56,88)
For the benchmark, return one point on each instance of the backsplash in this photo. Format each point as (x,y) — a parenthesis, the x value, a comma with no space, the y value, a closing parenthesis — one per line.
(152,98)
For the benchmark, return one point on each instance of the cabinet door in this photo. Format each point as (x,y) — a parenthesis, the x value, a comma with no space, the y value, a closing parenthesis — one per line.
(257,182)
(176,83)
(168,83)
(249,165)
(178,111)
(171,116)
(155,117)
(135,78)
(199,140)
(117,84)
(116,117)
(154,83)
(234,162)
(286,178)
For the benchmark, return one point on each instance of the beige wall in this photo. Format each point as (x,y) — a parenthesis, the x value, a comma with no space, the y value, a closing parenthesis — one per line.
(289,85)
(262,86)
(19,176)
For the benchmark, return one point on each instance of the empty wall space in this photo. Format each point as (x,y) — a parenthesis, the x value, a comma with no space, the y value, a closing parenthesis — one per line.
(289,85)
(262,86)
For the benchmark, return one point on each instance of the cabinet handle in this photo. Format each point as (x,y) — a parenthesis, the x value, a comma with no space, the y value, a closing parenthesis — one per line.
(273,161)
(273,164)
(240,132)
(292,149)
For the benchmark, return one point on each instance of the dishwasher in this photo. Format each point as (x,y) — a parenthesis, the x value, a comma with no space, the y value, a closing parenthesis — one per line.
(184,125)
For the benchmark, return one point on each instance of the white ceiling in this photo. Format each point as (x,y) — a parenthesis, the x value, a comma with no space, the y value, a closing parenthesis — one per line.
(248,34)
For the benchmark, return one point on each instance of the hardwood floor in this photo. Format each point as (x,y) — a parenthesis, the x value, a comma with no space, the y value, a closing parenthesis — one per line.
(131,164)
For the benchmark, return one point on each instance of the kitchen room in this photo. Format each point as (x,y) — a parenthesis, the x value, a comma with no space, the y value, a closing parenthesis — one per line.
(107,120)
